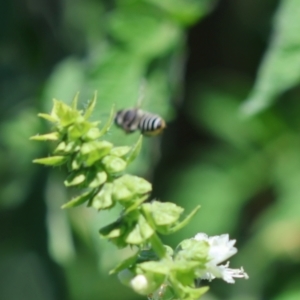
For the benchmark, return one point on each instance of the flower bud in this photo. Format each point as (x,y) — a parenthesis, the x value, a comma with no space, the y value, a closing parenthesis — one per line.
(141,285)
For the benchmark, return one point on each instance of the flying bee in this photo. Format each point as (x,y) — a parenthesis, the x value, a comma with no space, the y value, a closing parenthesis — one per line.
(133,119)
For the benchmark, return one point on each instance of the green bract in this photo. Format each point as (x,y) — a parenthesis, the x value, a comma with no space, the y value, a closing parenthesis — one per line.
(94,151)
(79,199)
(131,229)
(51,161)
(97,169)
(120,151)
(165,215)
(129,187)
(53,136)
(103,199)
(75,179)
(113,164)
(97,179)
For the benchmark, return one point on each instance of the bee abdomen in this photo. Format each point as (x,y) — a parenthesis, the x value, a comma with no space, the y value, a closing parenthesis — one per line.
(151,124)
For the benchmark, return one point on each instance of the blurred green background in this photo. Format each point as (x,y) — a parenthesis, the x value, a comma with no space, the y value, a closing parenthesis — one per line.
(224,74)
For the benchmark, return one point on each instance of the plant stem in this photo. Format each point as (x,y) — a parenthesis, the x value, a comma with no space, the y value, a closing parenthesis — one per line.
(158,246)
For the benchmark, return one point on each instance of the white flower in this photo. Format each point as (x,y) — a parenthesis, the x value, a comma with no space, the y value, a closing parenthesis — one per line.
(140,284)
(220,249)
(228,274)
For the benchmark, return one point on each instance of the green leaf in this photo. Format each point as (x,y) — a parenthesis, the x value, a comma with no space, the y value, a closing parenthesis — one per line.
(127,186)
(98,179)
(116,232)
(113,164)
(121,192)
(79,199)
(120,151)
(280,68)
(75,101)
(141,232)
(198,292)
(51,160)
(135,204)
(164,216)
(143,30)
(53,136)
(160,267)
(64,113)
(182,278)
(112,230)
(125,264)
(186,12)
(72,146)
(95,150)
(163,213)
(135,150)
(186,292)
(92,134)
(184,222)
(90,108)
(193,250)
(75,179)
(103,199)
(109,122)
(60,148)
(131,229)
(48,117)
(78,129)
(67,148)
(76,162)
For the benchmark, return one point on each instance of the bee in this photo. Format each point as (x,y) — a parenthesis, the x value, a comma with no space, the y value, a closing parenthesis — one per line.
(134,119)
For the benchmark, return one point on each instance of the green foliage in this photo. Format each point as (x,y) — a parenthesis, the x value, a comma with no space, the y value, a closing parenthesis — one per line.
(185,12)
(279,70)
(144,40)
(93,164)
(164,216)
(243,171)
(97,167)
(181,270)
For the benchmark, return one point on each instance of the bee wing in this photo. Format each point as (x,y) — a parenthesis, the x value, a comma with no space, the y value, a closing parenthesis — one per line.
(141,92)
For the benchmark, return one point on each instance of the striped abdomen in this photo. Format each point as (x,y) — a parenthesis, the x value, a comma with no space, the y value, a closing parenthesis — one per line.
(151,124)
